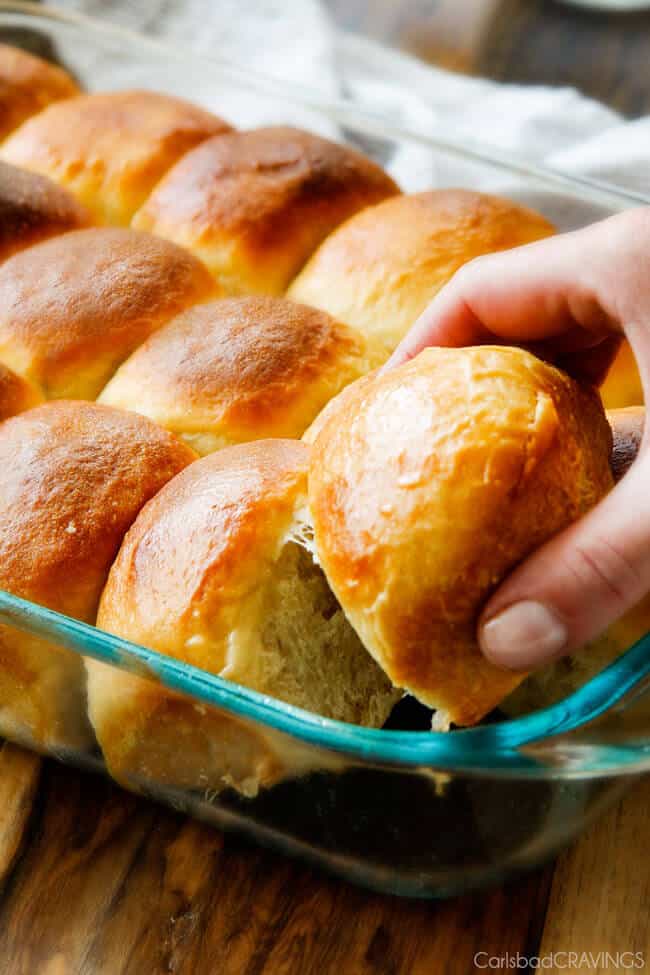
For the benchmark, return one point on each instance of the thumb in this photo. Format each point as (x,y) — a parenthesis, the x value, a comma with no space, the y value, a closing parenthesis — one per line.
(575,586)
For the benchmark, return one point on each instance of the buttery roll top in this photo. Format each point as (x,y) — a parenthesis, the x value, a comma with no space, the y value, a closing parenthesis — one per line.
(33,208)
(380,270)
(239,369)
(74,307)
(111,149)
(73,476)
(254,205)
(216,572)
(16,394)
(428,484)
(27,85)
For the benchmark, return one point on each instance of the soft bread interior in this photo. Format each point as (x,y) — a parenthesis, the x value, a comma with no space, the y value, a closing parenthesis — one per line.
(293,641)
(289,639)
(307,652)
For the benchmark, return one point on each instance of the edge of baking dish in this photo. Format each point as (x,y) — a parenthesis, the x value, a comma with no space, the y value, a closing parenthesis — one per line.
(539,744)
(506,747)
(27,12)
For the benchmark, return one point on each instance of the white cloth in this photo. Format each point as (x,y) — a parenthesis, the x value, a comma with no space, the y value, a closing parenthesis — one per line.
(296,41)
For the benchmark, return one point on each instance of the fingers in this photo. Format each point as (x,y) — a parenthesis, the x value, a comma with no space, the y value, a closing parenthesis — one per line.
(568,299)
(576,585)
(559,289)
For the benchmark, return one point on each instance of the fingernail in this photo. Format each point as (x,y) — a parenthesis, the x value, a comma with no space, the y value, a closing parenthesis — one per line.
(523,636)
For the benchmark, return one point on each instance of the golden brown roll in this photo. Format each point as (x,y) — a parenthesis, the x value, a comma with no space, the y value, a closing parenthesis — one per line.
(380,270)
(27,85)
(74,307)
(254,205)
(239,369)
(111,149)
(16,394)
(623,386)
(73,476)
(217,572)
(33,208)
(560,678)
(428,484)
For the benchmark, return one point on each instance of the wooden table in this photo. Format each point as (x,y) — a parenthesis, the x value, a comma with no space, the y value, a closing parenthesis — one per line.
(96,882)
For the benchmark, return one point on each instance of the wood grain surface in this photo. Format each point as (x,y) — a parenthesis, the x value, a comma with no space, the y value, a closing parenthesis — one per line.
(94,881)
(102,882)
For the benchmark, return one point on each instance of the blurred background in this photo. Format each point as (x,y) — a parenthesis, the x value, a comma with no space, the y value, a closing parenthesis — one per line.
(603,53)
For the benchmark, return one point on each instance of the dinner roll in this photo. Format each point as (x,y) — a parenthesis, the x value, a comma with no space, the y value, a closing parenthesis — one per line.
(33,208)
(380,270)
(111,149)
(560,678)
(239,369)
(74,307)
(217,572)
(623,386)
(27,85)
(628,425)
(16,394)
(72,479)
(427,485)
(254,205)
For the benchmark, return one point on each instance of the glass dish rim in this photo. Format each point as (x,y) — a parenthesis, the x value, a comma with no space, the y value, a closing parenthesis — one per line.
(498,749)
(337,109)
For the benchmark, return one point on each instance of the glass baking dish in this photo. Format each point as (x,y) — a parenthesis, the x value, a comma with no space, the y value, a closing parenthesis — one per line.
(402,809)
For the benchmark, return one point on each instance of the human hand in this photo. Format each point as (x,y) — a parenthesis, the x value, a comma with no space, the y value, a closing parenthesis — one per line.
(569,299)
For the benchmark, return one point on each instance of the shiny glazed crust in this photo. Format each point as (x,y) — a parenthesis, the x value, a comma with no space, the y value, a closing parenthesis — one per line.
(74,307)
(428,484)
(254,205)
(33,208)
(216,572)
(111,149)
(239,369)
(27,85)
(380,270)
(73,477)
(222,521)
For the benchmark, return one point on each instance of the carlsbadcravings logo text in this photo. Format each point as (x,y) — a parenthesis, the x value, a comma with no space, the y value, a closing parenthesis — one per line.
(560,960)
